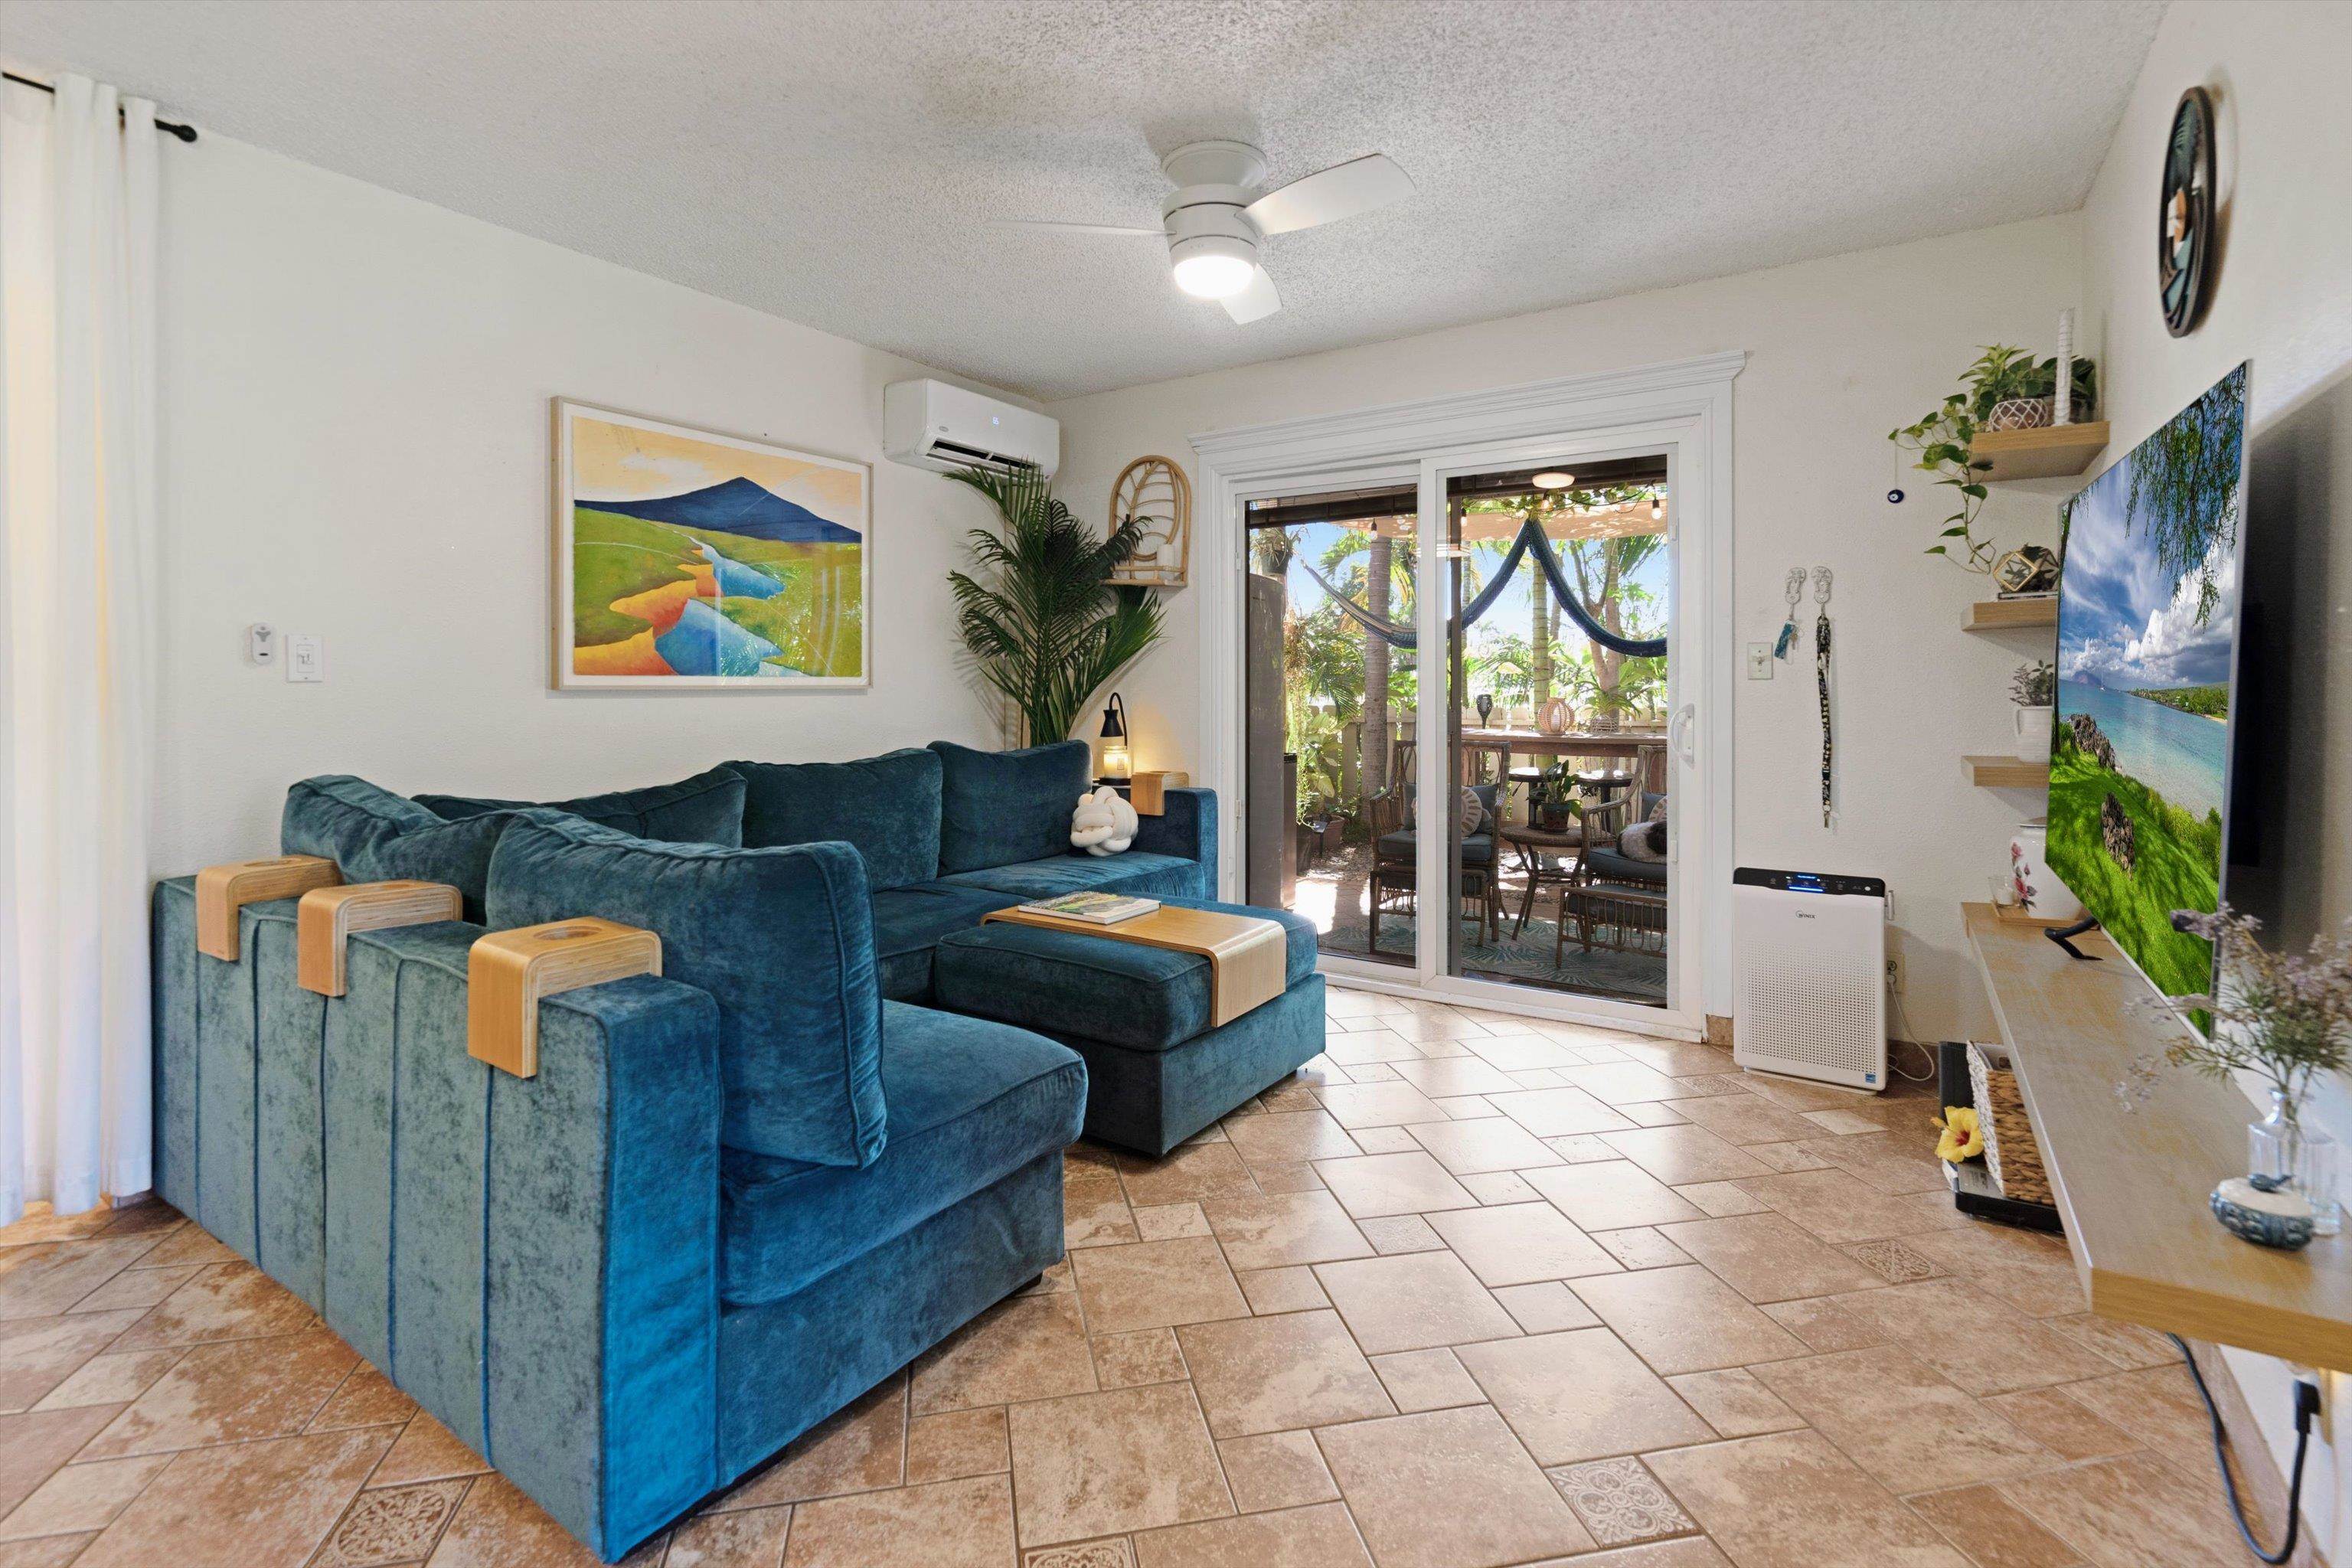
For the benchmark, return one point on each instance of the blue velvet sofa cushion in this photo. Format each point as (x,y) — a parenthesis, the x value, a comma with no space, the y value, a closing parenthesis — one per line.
(997,809)
(1134,871)
(375,836)
(782,938)
(908,922)
(886,807)
(1068,983)
(970,1102)
(704,809)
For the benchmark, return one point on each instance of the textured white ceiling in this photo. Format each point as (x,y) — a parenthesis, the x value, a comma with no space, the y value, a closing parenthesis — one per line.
(834,163)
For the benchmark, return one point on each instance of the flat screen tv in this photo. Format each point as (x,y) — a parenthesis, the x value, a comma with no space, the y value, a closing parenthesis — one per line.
(2147,664)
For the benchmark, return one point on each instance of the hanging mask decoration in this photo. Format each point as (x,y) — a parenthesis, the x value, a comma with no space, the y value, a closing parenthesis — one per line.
(1794,591)
(1821,680)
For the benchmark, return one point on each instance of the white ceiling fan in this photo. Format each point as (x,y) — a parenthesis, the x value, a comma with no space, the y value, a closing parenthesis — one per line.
(1216,223)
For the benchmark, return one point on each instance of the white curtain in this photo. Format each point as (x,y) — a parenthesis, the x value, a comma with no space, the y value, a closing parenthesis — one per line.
(77,580)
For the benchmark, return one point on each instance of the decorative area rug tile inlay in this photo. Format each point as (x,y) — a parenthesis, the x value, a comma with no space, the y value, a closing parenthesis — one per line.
(1471,1291)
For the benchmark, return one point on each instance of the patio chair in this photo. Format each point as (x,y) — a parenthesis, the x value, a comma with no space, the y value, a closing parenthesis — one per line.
(1394,877)
(1603,867)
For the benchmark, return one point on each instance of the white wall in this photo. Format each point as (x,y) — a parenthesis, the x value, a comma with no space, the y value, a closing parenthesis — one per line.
(2283,298)
(1841,351)
(355,434)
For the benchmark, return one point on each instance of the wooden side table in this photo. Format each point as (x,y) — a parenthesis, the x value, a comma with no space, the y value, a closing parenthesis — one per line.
(1532,843)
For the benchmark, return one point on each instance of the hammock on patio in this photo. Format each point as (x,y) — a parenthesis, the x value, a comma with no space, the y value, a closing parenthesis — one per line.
(1530,539)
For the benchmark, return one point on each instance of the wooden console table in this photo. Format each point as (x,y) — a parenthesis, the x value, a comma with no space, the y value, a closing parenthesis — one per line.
(2131,1185)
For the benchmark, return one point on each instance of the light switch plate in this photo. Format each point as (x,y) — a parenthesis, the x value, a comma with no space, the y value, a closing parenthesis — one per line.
(1759,662)
(306,656)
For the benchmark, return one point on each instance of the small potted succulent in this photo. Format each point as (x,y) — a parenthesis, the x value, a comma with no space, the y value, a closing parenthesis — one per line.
(2284,1020)
(2034,689)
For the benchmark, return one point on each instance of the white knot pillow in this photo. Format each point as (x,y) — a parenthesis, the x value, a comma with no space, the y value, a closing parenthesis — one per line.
(1104,822)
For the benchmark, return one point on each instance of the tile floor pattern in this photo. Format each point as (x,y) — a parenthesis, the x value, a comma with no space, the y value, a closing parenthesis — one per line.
(1470,1290)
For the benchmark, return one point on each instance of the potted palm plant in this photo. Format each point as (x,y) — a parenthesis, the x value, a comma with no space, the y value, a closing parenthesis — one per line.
(1040,619)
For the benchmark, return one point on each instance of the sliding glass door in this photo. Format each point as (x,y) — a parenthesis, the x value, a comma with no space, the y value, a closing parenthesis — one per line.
(1330,594)
(1466,731)
(1554,577)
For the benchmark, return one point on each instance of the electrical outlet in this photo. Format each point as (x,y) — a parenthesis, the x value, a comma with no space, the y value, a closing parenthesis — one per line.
(1895,972)
(1759,662)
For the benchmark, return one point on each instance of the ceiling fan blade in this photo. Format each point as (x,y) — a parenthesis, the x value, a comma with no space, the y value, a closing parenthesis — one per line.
(1341,191)
(1255,302)
(1075,227)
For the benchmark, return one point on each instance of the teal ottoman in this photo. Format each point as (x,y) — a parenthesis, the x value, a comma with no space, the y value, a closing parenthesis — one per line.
(1157,1071)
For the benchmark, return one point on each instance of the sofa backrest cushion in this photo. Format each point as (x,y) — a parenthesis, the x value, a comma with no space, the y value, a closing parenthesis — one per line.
(704,809)
(887,807)
(781,938)
(999,808)
(375,836)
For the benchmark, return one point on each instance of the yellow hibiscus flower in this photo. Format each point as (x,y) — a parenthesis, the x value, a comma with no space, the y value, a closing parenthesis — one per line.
(1962,1139)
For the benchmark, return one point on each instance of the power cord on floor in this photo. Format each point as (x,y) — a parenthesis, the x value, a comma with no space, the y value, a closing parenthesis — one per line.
(1902,1021)
(2307,1408)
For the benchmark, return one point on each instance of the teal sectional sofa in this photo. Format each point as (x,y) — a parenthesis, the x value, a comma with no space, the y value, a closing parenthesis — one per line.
(734,1196)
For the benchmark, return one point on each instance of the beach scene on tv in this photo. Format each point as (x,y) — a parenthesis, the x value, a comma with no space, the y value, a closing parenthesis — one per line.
(2147,624)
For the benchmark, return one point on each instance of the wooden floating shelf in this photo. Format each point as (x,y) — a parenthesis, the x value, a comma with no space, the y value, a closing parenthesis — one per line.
(2052,452)
(2009,615)
(2006,772)
(2131,1184)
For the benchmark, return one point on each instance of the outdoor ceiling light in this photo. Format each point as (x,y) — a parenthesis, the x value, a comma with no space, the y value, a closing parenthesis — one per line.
(1552,480)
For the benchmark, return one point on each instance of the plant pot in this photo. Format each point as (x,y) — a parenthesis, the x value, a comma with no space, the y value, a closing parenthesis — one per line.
(2021,413)
(1606,723)
(2038,888)
(1552,816)
(2033,733)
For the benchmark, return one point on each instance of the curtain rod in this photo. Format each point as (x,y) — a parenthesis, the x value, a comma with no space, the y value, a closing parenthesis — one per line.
(185,133)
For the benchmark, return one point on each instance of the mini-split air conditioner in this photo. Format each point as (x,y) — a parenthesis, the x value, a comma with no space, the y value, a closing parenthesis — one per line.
(930,425)
(1809,975)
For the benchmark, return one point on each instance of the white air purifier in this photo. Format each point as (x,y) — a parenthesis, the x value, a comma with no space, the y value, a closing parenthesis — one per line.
(1809,975)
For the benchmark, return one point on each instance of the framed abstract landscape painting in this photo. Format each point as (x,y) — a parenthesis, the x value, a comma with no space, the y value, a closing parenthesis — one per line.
(686,560)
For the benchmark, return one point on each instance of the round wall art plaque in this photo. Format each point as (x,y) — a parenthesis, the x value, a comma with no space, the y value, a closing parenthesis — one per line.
(2184,225)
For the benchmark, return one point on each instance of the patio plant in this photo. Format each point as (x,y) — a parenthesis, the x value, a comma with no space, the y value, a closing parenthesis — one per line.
(1946,437)
(1042,625)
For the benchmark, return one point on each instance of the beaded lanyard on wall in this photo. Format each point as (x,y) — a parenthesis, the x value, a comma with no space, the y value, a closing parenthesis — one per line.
(1822,679)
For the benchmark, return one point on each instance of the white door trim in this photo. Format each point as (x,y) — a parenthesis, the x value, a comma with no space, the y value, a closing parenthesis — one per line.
(1290,455)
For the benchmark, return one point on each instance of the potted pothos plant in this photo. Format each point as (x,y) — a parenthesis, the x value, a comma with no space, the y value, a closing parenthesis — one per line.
(1991,393)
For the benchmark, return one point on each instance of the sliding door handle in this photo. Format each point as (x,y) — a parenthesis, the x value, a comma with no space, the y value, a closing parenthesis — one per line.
(1679,735)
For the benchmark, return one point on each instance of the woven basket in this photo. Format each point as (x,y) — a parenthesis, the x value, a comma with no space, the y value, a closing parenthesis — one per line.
(2012,1156)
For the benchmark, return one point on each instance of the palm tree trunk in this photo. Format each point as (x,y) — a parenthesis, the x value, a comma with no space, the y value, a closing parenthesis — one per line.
(1539,642)
(1378,562)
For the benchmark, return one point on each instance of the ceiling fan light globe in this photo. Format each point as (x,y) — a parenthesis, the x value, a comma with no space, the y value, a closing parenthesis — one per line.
(1552,481)
(1214,267)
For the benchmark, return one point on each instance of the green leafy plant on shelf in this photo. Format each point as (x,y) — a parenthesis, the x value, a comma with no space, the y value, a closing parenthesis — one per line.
(2034,685)
(1042,622)
(1946,438)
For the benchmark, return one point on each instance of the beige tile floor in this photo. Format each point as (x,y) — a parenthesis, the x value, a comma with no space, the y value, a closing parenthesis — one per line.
(1469,1291)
